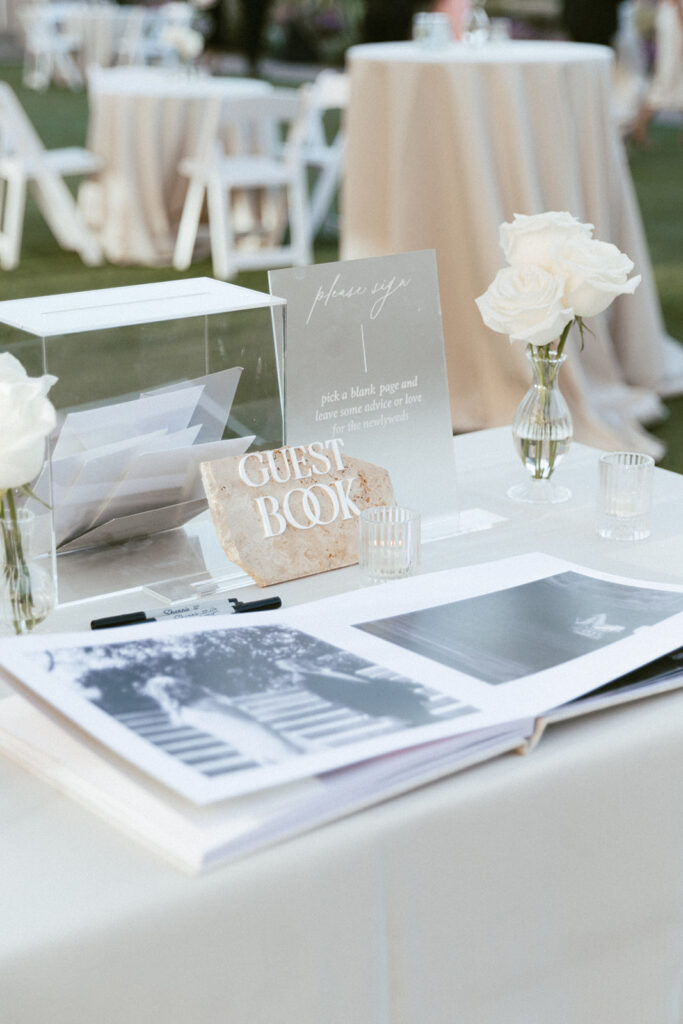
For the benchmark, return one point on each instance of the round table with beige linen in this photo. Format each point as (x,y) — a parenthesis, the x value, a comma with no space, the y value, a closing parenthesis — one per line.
(443,146)
(142,123)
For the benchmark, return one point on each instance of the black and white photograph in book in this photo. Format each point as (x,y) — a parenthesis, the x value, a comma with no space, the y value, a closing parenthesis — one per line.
(508,634)
(222,701)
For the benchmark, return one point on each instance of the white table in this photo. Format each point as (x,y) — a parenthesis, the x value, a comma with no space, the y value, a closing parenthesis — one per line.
(142,123)
(443,146)
(545,888)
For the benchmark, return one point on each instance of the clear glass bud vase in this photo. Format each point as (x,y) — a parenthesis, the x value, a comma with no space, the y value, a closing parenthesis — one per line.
(542,430)
(27,588)
(477,28)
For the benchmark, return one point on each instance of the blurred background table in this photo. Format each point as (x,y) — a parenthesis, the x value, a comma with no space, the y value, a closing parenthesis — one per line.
(142,122)
(443,146)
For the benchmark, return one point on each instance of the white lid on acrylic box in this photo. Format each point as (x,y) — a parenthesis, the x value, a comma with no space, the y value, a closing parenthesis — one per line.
(48,316)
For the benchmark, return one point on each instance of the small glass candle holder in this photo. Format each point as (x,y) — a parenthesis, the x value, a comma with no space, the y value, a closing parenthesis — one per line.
(626,482)
(432,29)
(388,543)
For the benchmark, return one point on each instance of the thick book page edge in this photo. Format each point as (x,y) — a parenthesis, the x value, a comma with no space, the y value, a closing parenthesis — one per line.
(357,796)
(120,794)
(586,706)
(532,742)
(192,839)
(589,704)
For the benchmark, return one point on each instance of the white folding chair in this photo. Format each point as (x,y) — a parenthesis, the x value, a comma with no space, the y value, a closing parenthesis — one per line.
(50,50)
(258,164)
(133,48)
(629,82)
(329,92)
(25,162)
(146,42)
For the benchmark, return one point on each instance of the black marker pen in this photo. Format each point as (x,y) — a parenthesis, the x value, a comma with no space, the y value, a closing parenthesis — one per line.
(221,606)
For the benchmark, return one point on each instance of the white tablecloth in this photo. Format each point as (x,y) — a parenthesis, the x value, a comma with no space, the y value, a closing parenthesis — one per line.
(445,145)
(547,888)
(142,123)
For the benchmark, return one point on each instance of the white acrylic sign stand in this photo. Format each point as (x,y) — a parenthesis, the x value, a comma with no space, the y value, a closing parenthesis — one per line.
(364,362)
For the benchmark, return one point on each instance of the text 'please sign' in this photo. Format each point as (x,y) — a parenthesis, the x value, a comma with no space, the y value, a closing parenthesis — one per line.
(364,362)
(292,511)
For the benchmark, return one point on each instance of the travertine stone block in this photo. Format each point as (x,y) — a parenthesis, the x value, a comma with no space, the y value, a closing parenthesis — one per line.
(293,511)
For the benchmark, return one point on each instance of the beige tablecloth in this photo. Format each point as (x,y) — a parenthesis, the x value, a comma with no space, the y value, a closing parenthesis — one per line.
(445,145)
(142,123)
(539,890)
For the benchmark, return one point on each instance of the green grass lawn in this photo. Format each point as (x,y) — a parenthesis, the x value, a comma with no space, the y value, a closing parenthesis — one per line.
(659,186)
(60,117)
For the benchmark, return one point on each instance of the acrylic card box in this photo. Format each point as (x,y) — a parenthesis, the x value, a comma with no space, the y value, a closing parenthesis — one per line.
(152,380)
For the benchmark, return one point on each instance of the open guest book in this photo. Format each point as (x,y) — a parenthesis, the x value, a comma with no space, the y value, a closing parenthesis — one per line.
(211,740)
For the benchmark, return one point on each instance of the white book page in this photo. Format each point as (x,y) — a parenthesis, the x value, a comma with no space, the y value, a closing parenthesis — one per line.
(225,707)
(81,483)
(156,478)
(85,429)
(117,460)
(194,838)
(517,636)
(213,408)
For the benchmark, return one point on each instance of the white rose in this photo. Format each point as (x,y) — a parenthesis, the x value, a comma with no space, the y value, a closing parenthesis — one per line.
(596,273)
(26,418)
(187,42)
(526,303)
(191,45)
(532,239)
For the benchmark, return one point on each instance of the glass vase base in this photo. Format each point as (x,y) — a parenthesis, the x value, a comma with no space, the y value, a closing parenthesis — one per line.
(539,492)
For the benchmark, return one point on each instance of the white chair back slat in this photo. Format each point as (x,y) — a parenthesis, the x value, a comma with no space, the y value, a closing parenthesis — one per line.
(329,92)
(19,136)
(25,162)
(51,45)
(248,152)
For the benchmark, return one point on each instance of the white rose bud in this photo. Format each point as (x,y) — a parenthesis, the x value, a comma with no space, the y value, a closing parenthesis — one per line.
(596,273)
(191,45)
(526,303)
(532,239)
(186,41)
(26,418)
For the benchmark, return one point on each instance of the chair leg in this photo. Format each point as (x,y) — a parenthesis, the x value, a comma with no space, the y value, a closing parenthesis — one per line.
(299,221)
(278,207)
(68,70)
(37,70)
(189,225)
(12,221)
(221,230)
(323,194)
(65,220)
